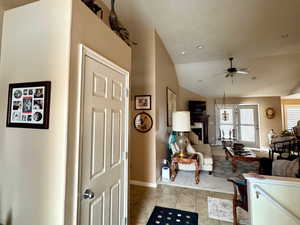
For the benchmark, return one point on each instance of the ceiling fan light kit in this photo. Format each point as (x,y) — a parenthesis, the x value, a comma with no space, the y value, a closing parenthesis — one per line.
(232,71)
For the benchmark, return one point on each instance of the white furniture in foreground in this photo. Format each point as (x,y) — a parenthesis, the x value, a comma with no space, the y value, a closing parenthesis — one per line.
(273,200)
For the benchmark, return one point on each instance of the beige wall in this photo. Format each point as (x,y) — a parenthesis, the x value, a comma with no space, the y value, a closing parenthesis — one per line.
(1,23)
(87,29)
(35,47)
(265,124)
(152,71)
(185,96)
(145,57)
(142,149)
(165,76)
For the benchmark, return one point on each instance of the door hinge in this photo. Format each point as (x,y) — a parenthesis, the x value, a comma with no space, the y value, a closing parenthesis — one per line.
(125,155)
(126,92)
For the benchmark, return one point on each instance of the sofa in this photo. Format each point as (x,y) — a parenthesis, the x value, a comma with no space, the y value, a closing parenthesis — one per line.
(197,147)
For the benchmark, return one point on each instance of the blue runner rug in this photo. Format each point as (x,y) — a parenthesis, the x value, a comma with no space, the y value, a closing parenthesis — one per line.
(166,216)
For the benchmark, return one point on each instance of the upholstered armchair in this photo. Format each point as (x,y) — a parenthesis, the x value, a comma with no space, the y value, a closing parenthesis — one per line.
(196,147)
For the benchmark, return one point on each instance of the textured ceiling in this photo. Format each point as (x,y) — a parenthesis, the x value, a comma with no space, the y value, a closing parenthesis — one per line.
(9,4)
(263,35)
(275,76)
(227,27)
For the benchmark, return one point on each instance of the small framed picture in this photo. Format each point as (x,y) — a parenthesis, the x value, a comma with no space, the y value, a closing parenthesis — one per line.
(29,105)
(143,102)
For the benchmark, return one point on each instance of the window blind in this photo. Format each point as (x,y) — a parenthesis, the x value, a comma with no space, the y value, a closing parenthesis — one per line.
(293,116)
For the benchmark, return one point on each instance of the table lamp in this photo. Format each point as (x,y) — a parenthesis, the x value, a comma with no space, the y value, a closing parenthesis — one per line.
(181,123)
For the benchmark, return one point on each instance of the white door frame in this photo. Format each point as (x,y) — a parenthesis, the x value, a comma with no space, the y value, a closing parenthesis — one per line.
(85,51)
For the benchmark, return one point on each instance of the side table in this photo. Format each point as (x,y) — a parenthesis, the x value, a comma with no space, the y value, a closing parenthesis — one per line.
(193,158)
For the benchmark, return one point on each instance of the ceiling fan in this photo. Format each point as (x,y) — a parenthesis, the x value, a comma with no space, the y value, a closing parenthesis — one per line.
(232,71)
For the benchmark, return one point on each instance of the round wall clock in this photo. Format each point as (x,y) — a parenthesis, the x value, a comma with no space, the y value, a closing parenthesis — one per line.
(270,113)
(143,122)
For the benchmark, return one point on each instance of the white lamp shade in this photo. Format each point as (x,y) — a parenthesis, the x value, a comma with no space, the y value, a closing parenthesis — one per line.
(181,121)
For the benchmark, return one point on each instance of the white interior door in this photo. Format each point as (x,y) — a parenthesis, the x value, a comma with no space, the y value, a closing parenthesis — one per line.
(248,127)
(103,189)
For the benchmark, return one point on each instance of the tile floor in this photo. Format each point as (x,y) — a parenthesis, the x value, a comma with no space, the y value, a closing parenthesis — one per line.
(143,200)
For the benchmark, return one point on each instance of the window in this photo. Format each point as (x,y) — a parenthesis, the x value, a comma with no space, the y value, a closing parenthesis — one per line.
(292,116)
(225,121)
(239,122)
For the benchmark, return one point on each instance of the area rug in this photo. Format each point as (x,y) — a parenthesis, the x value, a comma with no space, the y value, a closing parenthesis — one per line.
(221,209)
(166,216)
(223,167)
(186,179)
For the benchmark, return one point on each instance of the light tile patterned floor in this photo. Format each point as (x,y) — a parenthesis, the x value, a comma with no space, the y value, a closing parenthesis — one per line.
(143,200)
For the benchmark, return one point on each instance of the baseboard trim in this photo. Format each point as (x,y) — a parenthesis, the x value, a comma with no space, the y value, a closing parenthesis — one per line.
(144,184)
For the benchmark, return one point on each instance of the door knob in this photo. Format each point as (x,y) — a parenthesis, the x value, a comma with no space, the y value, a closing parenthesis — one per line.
(88,194)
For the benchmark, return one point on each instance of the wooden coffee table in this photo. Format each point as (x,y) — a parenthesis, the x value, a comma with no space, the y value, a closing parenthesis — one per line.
(251,157)
(193,158)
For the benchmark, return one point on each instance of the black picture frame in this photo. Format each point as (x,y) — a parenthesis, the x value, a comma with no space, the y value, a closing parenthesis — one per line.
(143,97)
(171,105)
(140,128)
(37,100)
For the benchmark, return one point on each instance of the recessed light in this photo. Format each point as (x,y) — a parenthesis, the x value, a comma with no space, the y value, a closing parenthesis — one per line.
(183,53)
(199,46)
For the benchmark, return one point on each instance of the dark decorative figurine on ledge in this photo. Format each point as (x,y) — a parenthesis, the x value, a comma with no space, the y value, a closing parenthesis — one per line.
(117,27)
(94,7)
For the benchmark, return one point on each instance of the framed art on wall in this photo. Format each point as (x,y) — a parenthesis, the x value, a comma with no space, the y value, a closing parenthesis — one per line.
(29,105)
(143,122)
(270,113)
(171,105)
(143,102)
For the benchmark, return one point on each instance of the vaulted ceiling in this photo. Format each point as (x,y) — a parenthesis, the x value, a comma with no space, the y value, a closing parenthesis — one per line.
(263,35)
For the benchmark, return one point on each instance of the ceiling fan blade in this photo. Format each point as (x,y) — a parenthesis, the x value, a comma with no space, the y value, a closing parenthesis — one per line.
(228,75)
(242,72)
(213,77)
